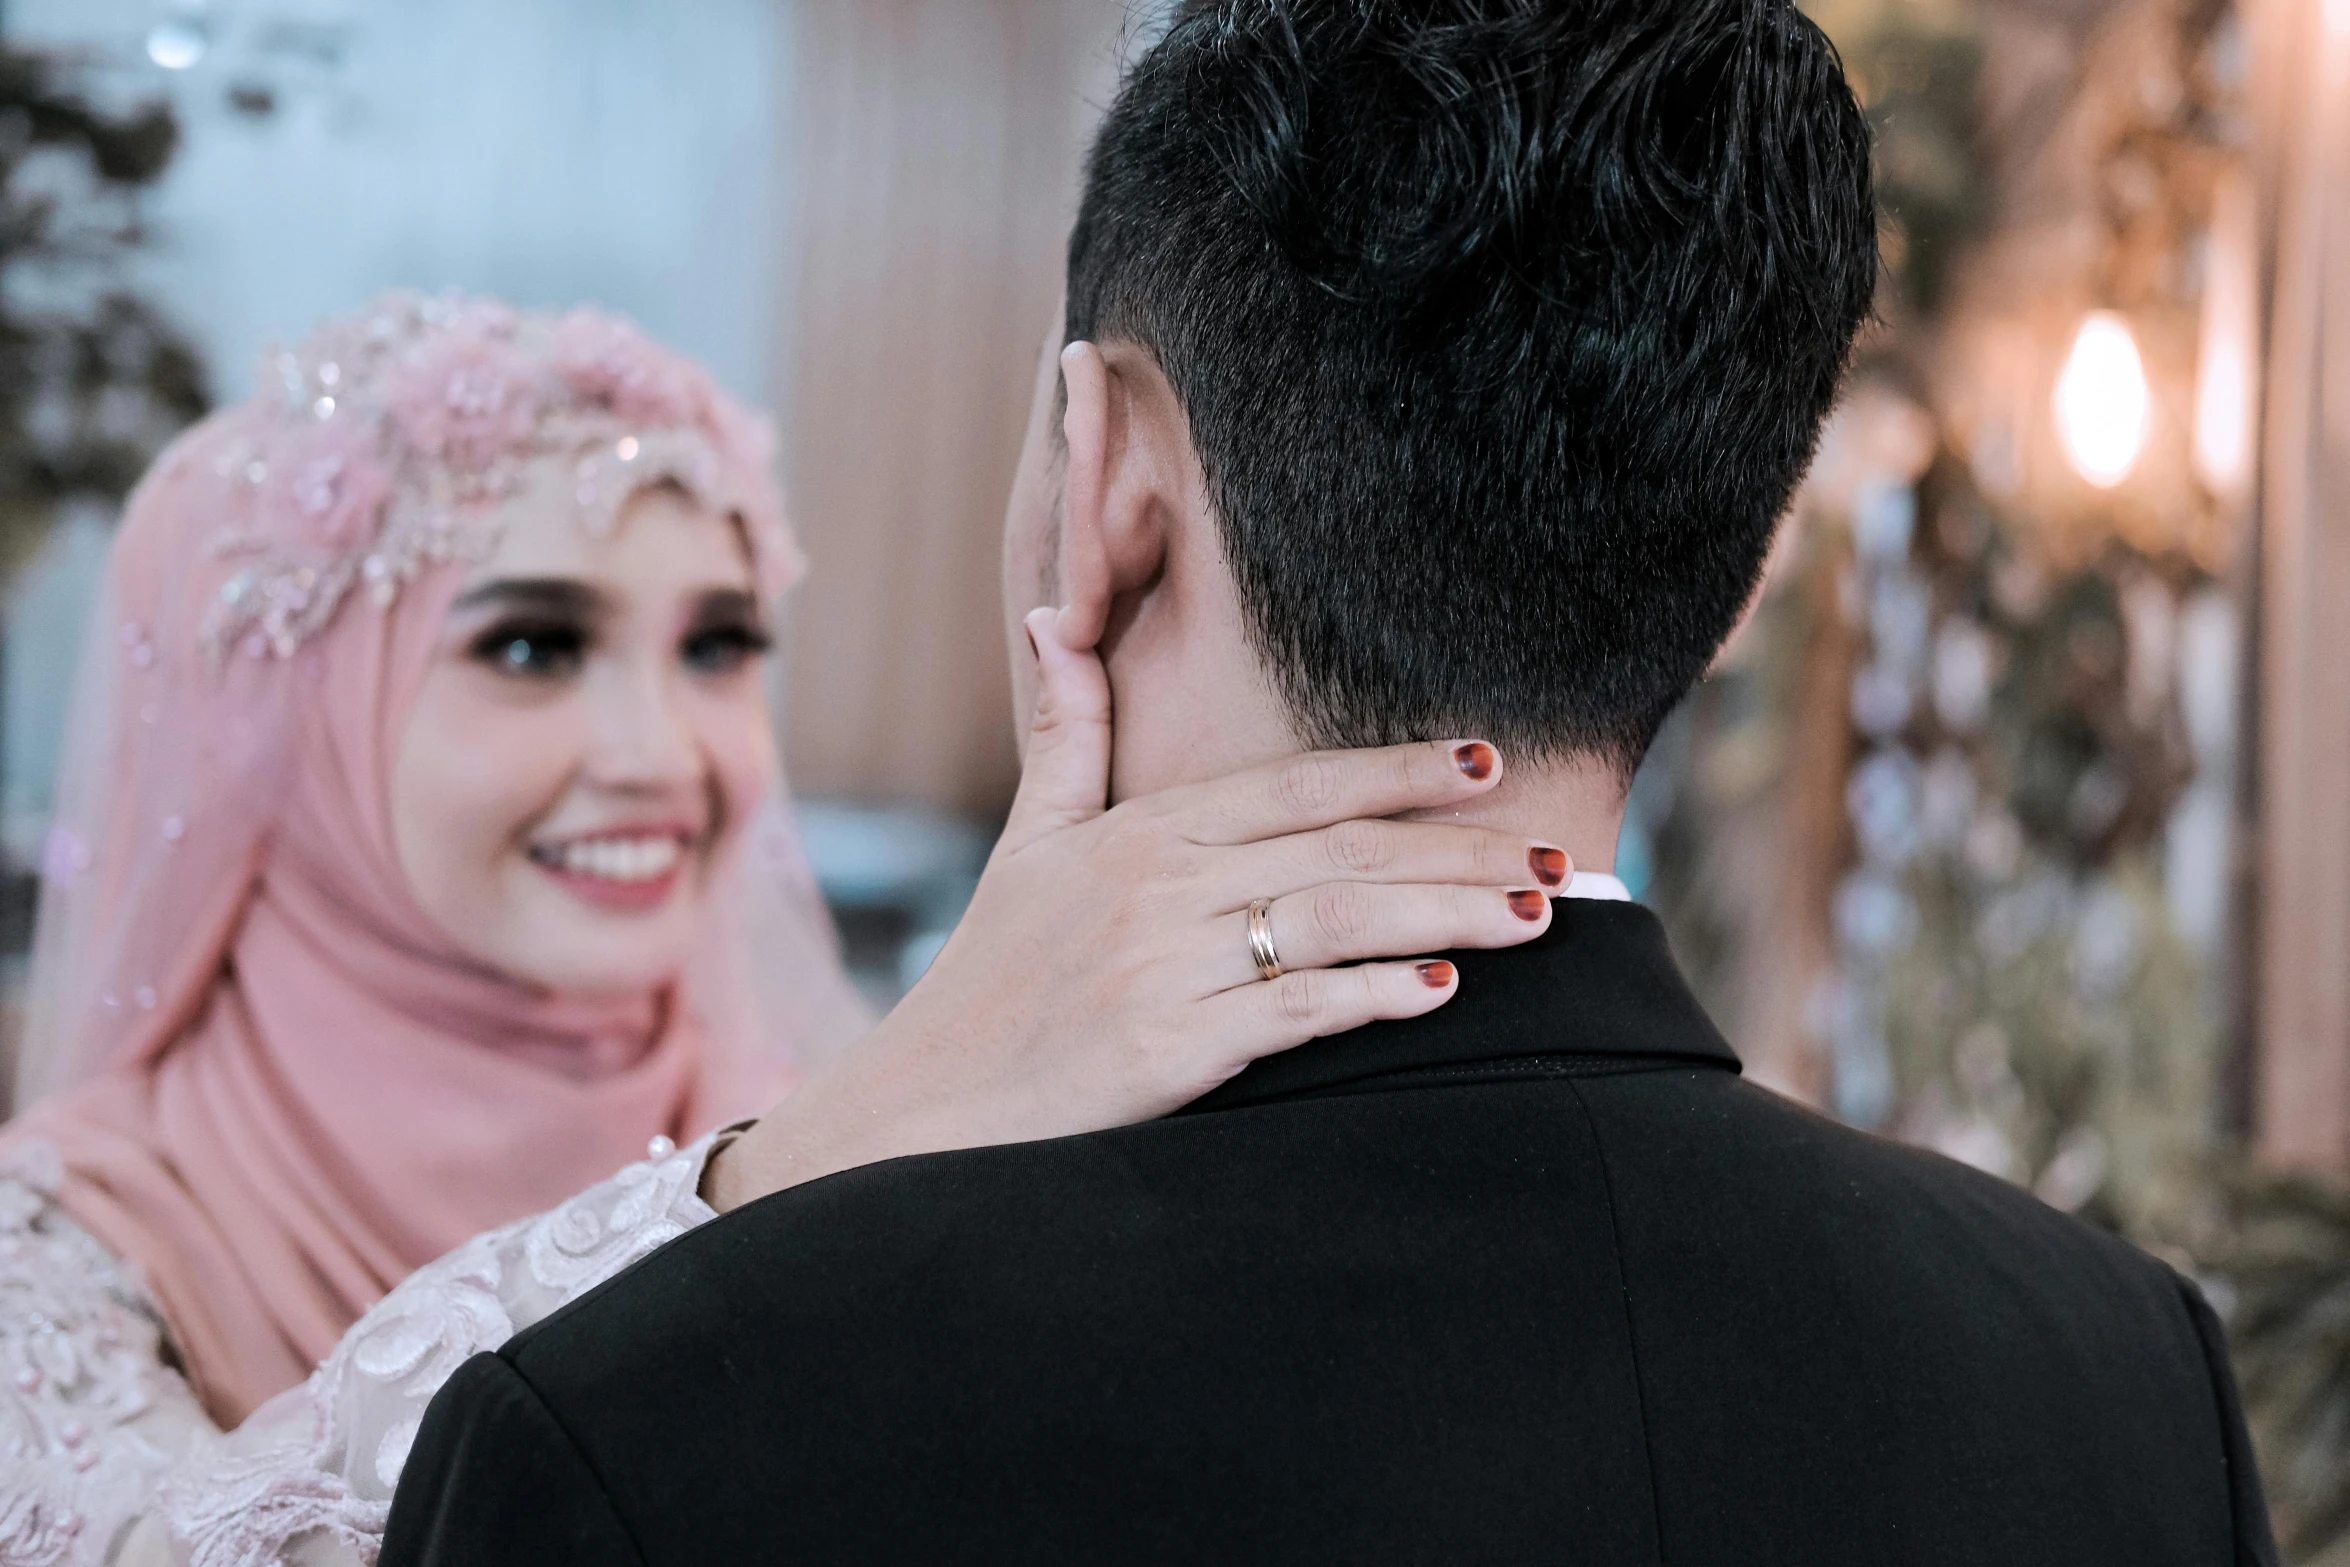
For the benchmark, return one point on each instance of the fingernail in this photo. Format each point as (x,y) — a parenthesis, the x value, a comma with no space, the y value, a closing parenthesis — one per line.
(1034,651)
(1528,905)
(1550,866)
(1436,975)
(1477,759)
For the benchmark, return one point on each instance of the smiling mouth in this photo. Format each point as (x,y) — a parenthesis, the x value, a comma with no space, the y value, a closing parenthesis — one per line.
(625,871)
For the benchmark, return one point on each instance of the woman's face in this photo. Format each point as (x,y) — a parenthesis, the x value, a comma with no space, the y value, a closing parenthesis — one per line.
(586,743)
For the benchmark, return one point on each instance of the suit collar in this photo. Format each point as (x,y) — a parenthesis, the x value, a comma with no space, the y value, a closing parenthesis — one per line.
(1599,983)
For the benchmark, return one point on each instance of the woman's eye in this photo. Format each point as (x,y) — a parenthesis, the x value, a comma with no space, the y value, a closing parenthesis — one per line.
(535,652)
(719,650)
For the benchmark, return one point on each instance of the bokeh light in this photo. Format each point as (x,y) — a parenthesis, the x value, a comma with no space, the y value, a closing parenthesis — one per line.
(176,44)
(2102,401)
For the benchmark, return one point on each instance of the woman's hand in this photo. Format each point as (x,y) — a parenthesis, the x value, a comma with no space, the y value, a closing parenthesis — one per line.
(1103,973)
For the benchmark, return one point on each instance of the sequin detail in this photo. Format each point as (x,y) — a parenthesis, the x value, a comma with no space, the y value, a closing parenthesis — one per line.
(395,438)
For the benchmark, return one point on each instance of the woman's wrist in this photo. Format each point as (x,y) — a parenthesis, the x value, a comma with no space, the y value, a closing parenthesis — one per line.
(858,1111)
(781,1149)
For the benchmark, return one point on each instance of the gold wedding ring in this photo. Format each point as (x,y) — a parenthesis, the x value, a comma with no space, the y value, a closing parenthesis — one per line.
(1260,939)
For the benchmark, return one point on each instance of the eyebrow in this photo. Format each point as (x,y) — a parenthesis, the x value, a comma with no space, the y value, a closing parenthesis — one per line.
(563,596)
(718,602)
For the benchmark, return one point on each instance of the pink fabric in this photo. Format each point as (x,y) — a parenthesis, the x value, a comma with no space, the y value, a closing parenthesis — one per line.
(308,1091)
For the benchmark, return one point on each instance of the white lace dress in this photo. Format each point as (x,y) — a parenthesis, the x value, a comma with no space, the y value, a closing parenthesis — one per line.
(108,1460)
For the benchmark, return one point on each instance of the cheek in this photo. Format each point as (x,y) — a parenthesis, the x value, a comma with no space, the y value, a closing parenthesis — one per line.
(509,778)
(472,778)
(737,739)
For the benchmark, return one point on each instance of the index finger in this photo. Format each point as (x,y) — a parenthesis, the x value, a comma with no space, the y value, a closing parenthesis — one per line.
(1322,788)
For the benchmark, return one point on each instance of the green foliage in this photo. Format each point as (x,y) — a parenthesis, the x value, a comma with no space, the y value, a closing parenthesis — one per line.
(2282,1251)
(2055,1031)
(93,381)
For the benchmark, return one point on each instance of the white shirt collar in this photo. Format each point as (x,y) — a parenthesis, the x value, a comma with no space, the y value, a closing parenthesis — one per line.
(1598,886)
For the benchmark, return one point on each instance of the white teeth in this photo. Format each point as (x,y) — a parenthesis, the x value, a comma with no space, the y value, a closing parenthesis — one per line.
(619,859)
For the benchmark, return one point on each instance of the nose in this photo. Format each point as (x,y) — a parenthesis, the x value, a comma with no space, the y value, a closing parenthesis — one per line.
(642,738)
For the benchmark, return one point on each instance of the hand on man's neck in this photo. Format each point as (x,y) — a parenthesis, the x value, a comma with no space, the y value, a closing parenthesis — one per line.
(1193,702)
(1205,729)
(1136,557)
(1578,805)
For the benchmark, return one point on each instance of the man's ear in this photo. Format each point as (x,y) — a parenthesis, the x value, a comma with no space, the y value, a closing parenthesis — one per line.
(1112,541)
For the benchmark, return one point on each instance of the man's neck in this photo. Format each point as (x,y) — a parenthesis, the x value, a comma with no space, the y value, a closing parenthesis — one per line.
(1194,703)
(1578,805)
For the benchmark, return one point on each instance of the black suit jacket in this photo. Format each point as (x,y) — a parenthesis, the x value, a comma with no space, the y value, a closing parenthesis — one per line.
(1536,1278)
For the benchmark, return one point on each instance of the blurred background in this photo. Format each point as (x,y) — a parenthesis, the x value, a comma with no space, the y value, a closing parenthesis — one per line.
(2016,824)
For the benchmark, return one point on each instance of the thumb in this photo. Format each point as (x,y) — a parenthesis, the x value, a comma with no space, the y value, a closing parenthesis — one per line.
(1066,779)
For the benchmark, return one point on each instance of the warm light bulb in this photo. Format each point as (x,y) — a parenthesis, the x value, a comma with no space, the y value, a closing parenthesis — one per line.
(2102,401)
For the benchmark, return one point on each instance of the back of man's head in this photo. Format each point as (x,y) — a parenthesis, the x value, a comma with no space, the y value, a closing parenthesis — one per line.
(1504,328)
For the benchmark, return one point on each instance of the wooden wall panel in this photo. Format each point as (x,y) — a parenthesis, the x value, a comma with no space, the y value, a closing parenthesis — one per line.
(935,147)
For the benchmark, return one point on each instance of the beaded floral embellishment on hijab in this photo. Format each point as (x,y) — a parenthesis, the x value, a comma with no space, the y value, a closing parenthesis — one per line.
(387,442)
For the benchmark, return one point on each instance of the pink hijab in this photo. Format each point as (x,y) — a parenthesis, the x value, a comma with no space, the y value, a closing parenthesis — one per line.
(273,1084)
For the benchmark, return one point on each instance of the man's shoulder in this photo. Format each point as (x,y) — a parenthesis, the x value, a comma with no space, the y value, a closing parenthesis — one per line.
(1193,1238)
(1801,1289)
(801,1267)
(1867,1265)
(1709,1153)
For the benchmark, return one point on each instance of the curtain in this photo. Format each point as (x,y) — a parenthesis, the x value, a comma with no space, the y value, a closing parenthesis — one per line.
(2300,102)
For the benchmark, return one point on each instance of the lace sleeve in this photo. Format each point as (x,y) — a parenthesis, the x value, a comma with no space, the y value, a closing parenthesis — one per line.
(92,1416)
(307,1480)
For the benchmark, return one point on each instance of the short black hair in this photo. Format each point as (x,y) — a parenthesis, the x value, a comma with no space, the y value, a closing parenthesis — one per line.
(1505,329)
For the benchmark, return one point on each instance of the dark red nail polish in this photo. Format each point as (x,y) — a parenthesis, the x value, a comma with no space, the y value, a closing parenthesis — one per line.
(1436,975)
(1550,866)
(1477,759)
(1528,905)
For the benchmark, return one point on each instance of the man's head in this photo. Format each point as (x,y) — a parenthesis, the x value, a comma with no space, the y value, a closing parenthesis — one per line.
(1456,359)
